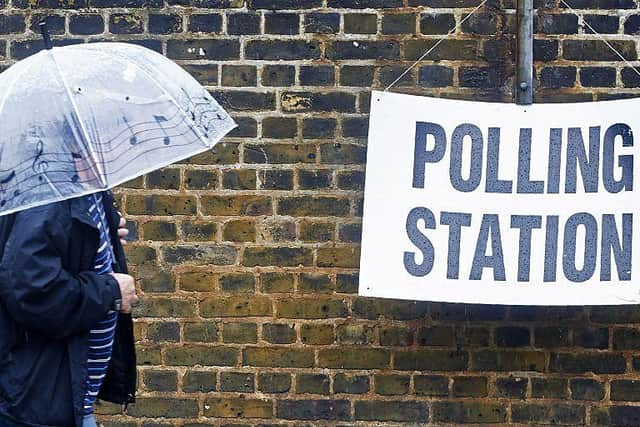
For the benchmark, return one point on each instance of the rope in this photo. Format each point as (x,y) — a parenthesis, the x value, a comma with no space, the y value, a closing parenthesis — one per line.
(601,38)
(432,48)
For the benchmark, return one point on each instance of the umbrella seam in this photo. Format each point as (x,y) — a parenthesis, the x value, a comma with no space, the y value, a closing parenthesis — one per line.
(100,174)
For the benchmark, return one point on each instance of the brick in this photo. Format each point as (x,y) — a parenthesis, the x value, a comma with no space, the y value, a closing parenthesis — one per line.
(164,407)
(435,76)
(319,334)
(277,231)
(624,415)
(148,355)
(489,360)
(479,77)
(626,339)
(312,384)
(276,179)
(596,50)
(165,23)
(557,77)
(279,127)
(81,24)
(391,74)
(240,100)
(322,23)
(138,255)
(199,381)
(512,387)
(165,307)
(198,281)
(356,75)
(240,382)
(12,24)
(312,180)
(536,313)
(603,24)
(274,382)
(159,230)
(282,23)
(342,154)
(602,4)
(243,23)
(165,179)
(279,333)
(161,205)
(318,102)
(350,384)
(126,23)
(617,314)
(591,337)
(586,389)
(393,336)
(153,279)
(370,308)
(391,411)
(342,257)
(278,75)
(426,385)
(205,74)
(551,336)
(448,49)
(549,388)
(218,49)
(239,75)
(156,380)
(284,4)
(512,336)
(314,283)
(223,153)
(280,256)
(237,282)
(598,77)
(313,206)
(286,50)
(436,23)
(164,332)
(55,23)
(481,23)
(318,128)
(351,180)
(239,179)
(313,409)
(598,363)
(191,355)
(200,180)
(431,360)
(236,205)
(238,407)
(350,233)
(310,308)
(468,412)
(397,23)
(548,413)
(201,331)
(469,387)
(628,390)
(207,4)
(545,50)
(277,357)
(240,306)
(276,282)
(205,23)
(280,154)
(355,334)
(363,49)
(562,23)
(435,336)
(317,75)
(210,254)
(359,23)
(364,4)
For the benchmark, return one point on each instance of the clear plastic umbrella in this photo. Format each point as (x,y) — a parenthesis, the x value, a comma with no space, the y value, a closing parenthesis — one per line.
(84,118)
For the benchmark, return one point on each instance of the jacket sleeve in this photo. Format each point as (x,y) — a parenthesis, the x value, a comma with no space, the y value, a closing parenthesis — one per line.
(39,294)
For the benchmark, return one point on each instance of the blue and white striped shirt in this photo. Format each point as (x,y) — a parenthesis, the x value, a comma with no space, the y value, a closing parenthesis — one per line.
(101,336)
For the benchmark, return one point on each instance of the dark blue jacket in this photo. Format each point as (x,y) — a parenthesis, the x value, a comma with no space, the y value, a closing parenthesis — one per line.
(49,300)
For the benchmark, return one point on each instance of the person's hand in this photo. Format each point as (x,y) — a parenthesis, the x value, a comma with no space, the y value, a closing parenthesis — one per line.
(127,290)
(123,232)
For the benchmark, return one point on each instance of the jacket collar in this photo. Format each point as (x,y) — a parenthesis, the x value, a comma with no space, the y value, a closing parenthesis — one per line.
(80,209)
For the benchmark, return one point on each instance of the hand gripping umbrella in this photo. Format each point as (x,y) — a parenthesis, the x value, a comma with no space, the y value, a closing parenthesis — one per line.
(80,119)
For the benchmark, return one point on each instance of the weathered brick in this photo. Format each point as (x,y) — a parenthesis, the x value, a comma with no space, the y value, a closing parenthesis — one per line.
(211,254)
(632,24)
(388,385)
(339,153)
(512,387)
(598,76)
(363,49)
(313,206)
(160,380)
(468,412)
(548,413)
(426,385)
(164,407)
(159,230)
(309,179)
(199,231)
(243,23)
(164,332)
(238,407)
(350,384)
(126,23)
(561,23)
(281,256)
(549,388)
(449,49)
(236,205)
(586,389)
(165,307)
(512,336)
(551,336)
(280,153)
(356,75)
(161,205)
(287,50)
(481,23)
(603,24)
(278,75)
(490,360)
(282,23)
(372,308)
(210,49)
(431,360)
(274,382)
(276,282)
(311,308)
(395,336)
(277,357)
(364,4)
(240,306)
(279,127)
(284,4)
(342,257)
(319,334)
(279,333)
(205,23)
(165,23)
(397,23)
(191,355)
(469,386)
(628,390)
(598,363)
(318,102)
(240,382)
(78,24)
(591,337)
(312,384)
(313,409)
(201,331)
(596,50)
(243,100)
(391,411)
(239,75)
(199,381)
(317,75)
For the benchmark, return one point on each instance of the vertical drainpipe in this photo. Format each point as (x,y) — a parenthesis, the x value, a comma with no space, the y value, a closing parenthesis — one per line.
(524,78)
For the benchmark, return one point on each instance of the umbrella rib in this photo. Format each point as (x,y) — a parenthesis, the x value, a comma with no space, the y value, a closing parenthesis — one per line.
(99,172)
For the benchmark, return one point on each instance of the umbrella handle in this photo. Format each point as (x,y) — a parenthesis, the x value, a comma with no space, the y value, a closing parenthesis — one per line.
(45,35)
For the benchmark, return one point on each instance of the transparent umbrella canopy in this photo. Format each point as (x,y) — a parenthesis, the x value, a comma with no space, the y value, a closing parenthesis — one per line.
(84,118)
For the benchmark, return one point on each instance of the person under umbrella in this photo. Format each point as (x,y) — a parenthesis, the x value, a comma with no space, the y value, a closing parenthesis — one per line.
(76,121)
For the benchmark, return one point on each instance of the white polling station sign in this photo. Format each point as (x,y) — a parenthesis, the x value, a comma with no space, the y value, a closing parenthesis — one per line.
(500,203)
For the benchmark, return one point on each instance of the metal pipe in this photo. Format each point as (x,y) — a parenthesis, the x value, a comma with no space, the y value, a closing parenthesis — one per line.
(524,77)
(45,35)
